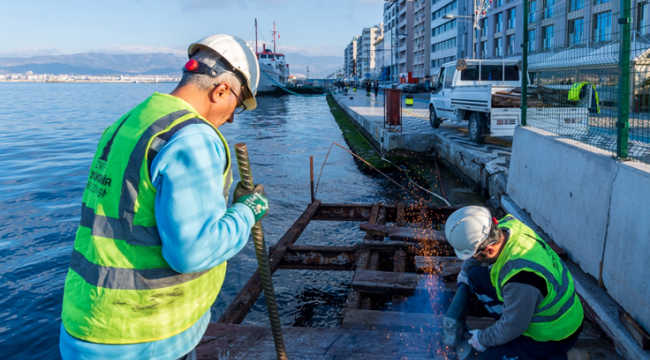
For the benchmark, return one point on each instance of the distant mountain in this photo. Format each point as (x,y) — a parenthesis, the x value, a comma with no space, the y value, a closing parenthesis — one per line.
(319,66)
(94,64)
(159,64)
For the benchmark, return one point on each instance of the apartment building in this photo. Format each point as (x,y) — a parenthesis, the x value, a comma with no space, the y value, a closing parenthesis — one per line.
(350,57)
(421,40)
(404,36)
(444,33)
(390,39)
(496,35)
(367,45)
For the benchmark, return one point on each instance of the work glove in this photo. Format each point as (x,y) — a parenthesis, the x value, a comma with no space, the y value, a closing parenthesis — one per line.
(241,192)
(253,199)
(462,278)
(474,341)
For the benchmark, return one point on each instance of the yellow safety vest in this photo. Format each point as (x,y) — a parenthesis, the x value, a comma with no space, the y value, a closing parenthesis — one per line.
(119,288)
(574,93)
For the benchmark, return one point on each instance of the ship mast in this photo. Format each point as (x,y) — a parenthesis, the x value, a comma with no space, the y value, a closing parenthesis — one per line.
(274,32)
(256,48)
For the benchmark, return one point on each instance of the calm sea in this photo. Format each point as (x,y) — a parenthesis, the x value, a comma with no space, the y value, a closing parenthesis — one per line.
(48,135)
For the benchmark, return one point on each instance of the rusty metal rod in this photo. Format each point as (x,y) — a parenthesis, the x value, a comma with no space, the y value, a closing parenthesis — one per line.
(246,175)
(442,187)
(311,178)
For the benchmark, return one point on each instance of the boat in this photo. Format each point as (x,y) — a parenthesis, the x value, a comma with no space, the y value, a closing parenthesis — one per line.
(273,67)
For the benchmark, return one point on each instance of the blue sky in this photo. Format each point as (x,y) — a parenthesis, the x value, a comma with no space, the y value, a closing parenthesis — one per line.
(309,27)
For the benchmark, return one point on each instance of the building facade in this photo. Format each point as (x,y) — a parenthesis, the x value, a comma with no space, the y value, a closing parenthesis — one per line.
(350,58)
(421,40)
(367,45)
(446,40)
(390,39)
(404,36)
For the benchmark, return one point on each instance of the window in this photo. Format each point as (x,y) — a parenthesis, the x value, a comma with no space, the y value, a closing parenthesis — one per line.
(532,9)
(444,10)
(492,72)
(643,18)
(449,76)
(498,47)
(512,18)
(511,44)
(531,39)
(549,8)
(470,73)
(603,26)
(499,3)
(511,73)
(484,27)
(443,28)
(447,44)
(263,56)
(483,49)
(576,5)
(575,31)
(548,37)
(498,21)
(602,1)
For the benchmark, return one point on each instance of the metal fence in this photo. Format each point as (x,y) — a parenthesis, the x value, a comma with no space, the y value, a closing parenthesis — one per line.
(588,63)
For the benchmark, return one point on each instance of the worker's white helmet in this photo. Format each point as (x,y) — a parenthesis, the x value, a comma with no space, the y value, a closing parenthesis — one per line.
(239,55)
(467,228)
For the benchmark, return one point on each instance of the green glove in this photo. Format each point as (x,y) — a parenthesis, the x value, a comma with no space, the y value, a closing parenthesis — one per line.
(258,204)
(240,192)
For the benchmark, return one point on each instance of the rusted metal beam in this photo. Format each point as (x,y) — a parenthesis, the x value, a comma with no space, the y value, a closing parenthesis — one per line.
(343,212)
(239,307)
(383,282)
(400,215)
(361,212)
(444,266)
(404,233)
(319,258)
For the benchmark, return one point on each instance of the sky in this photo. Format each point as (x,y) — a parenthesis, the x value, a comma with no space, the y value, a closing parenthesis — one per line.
(308,27)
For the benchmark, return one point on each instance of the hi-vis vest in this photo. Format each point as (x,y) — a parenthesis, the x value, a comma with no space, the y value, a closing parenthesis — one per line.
(560,314)
(119,288)
(574,94)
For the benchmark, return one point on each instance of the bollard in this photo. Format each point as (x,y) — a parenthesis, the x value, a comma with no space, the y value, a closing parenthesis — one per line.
(409,100)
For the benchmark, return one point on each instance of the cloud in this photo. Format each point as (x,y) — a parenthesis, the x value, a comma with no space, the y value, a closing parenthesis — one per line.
(31,51)
(323,50)
(139,49)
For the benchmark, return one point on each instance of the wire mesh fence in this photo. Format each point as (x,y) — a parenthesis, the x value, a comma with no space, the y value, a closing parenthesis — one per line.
(588,63)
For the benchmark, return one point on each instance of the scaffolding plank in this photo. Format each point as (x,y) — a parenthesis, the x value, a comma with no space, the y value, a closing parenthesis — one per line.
(318,258)
(239,307)
(444,266)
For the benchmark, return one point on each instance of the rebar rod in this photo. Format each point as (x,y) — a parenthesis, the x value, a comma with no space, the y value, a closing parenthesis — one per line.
(246,175)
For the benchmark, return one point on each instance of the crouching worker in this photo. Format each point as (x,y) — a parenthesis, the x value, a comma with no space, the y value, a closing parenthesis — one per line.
(150,252)
(521,281)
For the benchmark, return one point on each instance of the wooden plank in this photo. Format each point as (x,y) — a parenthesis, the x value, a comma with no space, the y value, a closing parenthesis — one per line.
(444,266)
(366,302)
(638,333)
(400,214)
(372,220)
(383,282)
(404,233)
(319,258)
(399,266)
(223,341)
(239,307)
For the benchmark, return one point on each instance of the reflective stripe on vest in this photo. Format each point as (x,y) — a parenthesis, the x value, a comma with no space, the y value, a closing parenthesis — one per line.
(559,315)
(119,288)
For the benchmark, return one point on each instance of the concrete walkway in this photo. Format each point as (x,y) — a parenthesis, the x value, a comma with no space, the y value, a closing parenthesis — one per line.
(484,166)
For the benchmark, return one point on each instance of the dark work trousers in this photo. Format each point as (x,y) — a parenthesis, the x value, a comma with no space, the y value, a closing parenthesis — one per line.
(190,356)
(523,347)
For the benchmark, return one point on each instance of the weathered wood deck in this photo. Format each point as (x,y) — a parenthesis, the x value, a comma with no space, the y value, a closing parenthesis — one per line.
(402,253)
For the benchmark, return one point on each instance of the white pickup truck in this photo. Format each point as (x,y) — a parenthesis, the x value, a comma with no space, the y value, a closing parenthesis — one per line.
(465,91)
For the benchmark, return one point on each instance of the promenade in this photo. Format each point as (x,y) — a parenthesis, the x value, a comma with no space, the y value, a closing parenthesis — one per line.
(483,166)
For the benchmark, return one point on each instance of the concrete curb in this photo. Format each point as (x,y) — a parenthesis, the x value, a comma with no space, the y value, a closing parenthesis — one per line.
(600,303)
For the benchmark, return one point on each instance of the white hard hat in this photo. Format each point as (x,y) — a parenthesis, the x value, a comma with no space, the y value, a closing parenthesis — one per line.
(239,55)
(467,228)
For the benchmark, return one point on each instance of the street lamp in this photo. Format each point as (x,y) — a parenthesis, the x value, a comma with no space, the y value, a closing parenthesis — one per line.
(474,28)
(394,41)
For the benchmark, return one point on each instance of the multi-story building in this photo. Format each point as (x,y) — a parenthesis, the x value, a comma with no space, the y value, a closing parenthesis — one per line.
(366,51)
(421,40)
(404,36)
(445,35)
(350,57)
(390,38)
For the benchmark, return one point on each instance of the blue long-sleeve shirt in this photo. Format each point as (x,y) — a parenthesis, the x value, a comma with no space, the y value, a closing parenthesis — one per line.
(197,228)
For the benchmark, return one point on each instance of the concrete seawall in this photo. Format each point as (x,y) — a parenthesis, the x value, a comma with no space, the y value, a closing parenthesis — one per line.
(595,207)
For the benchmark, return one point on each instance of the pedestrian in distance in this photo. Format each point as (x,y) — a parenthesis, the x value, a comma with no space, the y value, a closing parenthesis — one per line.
(368,88)
(376,88)
(155,233)
(521,281)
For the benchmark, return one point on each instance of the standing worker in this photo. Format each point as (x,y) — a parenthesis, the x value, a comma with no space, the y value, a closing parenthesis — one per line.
(521,281)
(150,252)
(376,88)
